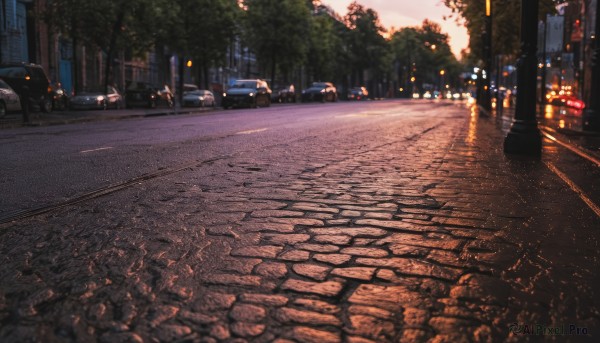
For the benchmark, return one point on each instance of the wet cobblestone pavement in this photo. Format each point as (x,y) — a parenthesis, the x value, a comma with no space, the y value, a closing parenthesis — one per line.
(405,234)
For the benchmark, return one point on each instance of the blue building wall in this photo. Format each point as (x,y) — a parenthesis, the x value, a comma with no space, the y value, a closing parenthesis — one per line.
(13,31)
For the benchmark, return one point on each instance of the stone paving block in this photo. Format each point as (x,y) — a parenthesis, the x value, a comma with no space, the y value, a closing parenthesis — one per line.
(373,312)
(370,327)
(312,271)
(333,239)
(365,252)
(323,248)
(288,315)
(283,239)
(271,270)
(294,255)
(390,298)
(317,306)
(310,335)
(248,313)
(444,242)
(413,267)
(335,259)
(247,329)
(275,213)
(268,251)
(350,231)
(358,273)
(396,225)
(327,288)
(232,279)
(264,299)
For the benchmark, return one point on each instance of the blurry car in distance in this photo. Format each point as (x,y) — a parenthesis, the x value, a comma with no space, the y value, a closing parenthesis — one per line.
(252,93)
(30,78)
(9,99)
(95,99)
(141,94)
(358,93)
(285,94)
(198,98)
(320,91)
(568,101)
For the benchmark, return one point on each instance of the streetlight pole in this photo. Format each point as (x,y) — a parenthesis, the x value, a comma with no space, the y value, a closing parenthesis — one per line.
(591,115)
(486,99)
(524,136)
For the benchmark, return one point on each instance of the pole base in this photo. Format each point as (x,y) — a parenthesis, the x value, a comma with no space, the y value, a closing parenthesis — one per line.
(524,138)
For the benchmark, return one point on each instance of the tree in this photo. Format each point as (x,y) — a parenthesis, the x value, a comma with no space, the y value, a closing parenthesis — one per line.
(204,40)
(505,29)
(109,26)
(277,31)
(424,53)
(365,40)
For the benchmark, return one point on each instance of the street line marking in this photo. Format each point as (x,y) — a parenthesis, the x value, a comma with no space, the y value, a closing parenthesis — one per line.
(251,131)
(573,149)
(99,149)
(575,188)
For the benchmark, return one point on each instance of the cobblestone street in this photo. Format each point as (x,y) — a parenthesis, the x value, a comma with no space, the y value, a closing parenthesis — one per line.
(404,231)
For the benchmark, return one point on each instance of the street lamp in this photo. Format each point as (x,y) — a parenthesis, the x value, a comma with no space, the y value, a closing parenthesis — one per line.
(486,99)
(524,136)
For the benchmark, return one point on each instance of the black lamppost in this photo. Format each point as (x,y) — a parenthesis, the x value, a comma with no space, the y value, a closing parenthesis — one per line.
(524,136)
(591,115)
(486,99)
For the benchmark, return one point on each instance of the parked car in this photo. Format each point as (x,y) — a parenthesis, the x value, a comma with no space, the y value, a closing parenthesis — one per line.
(358,93)
(285,94)
(141,94)
(9,100)
(60,99)
(31,79)
(189,87)
(320,91)
(95,99)
(252,93)
(198,98)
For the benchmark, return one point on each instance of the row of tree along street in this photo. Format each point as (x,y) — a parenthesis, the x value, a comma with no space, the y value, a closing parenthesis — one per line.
(293,41)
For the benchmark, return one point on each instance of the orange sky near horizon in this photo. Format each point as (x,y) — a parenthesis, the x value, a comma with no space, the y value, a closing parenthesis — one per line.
(398,14)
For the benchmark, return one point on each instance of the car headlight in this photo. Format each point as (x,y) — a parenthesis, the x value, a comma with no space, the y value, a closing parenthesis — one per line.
(201,98)
(322,91)
(251,94)
(100,98)
(224,94)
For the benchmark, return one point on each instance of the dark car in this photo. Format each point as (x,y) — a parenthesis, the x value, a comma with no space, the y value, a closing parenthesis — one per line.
(29,80)
(320,91)
(248,93)
(285,94)
(96,99)
(358,93)
(141,94)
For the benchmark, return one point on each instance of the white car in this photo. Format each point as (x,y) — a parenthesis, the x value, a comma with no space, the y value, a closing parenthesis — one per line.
(9,100)
(198,98)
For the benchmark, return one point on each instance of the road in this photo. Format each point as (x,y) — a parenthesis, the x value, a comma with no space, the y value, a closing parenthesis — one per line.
(389,221)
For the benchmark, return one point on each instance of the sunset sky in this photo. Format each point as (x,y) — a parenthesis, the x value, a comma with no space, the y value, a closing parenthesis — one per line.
(411,13)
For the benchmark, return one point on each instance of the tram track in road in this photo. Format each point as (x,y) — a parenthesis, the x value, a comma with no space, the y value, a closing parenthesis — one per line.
(568,147)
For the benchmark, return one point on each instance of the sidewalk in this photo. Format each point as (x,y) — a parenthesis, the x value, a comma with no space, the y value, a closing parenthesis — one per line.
(417,234)
(14,120)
